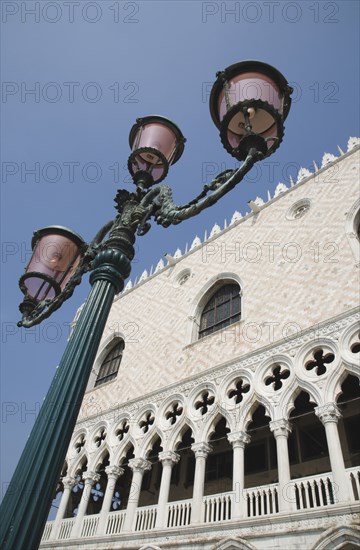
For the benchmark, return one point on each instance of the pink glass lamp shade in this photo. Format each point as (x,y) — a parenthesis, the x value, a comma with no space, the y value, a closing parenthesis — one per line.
(250,99)
(156,143)
(56,252)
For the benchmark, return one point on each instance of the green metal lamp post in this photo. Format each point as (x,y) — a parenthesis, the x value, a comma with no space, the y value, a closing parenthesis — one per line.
(249,103)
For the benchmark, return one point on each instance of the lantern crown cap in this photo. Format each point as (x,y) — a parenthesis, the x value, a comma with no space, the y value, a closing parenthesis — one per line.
(59,230)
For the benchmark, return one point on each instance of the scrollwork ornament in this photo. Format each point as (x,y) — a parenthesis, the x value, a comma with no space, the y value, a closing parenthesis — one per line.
(134,212)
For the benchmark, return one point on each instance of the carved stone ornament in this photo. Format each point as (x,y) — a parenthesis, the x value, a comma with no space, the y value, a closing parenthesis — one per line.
(139,464)
(169,457)
(90,477)
(113,472)
(201,449)
(68,482)
(220,373)
(328,413)
(238,439)
(280,427)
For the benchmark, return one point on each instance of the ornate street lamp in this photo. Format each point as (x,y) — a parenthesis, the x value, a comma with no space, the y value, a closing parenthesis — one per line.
(249,103)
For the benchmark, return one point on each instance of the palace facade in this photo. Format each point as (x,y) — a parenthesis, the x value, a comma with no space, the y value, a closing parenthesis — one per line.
(223,408)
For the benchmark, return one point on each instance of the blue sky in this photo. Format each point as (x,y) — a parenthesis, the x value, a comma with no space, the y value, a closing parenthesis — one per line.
(76,75)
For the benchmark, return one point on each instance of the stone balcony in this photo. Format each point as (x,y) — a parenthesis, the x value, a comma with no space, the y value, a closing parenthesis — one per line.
(314,497)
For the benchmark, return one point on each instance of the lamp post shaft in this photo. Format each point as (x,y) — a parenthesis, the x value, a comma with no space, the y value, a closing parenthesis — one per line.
(26,504)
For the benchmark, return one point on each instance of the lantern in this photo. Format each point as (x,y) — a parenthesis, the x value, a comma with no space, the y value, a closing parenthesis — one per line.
(249,102)
(156,143)
(56,252)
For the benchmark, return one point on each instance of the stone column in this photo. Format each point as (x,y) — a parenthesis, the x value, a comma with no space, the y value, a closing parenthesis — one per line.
(138,466)
(329,415)
(68,483)
(90,478)
(168,459)
(113,473)
(281,430)
(201,451)
(238,441)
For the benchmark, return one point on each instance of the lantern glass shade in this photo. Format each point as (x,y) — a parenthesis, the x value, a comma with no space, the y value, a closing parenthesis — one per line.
(262,123)
(249,86)
(56,255)
(250,98)
(156,143)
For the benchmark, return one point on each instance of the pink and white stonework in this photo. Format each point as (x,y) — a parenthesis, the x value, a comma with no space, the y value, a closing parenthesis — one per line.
(244,438)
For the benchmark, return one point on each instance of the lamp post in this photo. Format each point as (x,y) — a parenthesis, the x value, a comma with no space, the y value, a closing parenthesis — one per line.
(249,103)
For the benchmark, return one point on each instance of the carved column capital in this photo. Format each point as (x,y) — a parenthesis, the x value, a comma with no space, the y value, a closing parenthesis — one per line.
(139,464)
(280,427)
(328,413)
(113,472)
(68,482)
(91,477)
(238,439)
(169,457)
(201,449)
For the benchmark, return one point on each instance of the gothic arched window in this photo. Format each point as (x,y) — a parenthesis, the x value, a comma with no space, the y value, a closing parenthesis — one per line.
(110,366)
(222,309)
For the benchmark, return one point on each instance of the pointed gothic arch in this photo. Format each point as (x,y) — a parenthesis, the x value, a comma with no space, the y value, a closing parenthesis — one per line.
(233,544)
(205,294)
(352,230)
(340,538)
(110,343)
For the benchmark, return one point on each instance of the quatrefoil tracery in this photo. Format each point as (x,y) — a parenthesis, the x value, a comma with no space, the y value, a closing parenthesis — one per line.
(100,438)
(278,375)
(205,402)
(116,501)
(240,389)
(80,444)
(172,414)
(97,492)
(145,424)
(79,485)
(320,361)
(122,431)
(355,346)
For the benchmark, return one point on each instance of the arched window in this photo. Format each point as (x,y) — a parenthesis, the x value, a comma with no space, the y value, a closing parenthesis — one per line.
(352,228)
(223,309)
(357,225)
(110,366)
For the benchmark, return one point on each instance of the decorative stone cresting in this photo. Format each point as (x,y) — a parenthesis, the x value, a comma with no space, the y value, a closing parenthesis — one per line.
(327,159)
(215,230)
(303,174)
(280,188)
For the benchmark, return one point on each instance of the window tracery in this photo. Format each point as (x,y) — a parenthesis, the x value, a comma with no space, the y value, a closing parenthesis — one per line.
(110,365)
(320,361)
(205,402)
(278,375)
(221,310)
(237,394)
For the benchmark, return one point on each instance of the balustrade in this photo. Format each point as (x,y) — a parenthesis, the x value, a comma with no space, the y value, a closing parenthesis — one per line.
(89,526)
(145,518)
(309,493)
(115,522)
(179,513)
(66,528)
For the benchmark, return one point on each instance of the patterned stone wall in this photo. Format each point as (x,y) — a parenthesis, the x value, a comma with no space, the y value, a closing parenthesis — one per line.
(295,260)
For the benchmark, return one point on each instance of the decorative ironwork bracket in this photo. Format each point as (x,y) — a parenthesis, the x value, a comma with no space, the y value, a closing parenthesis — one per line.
(134,213)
